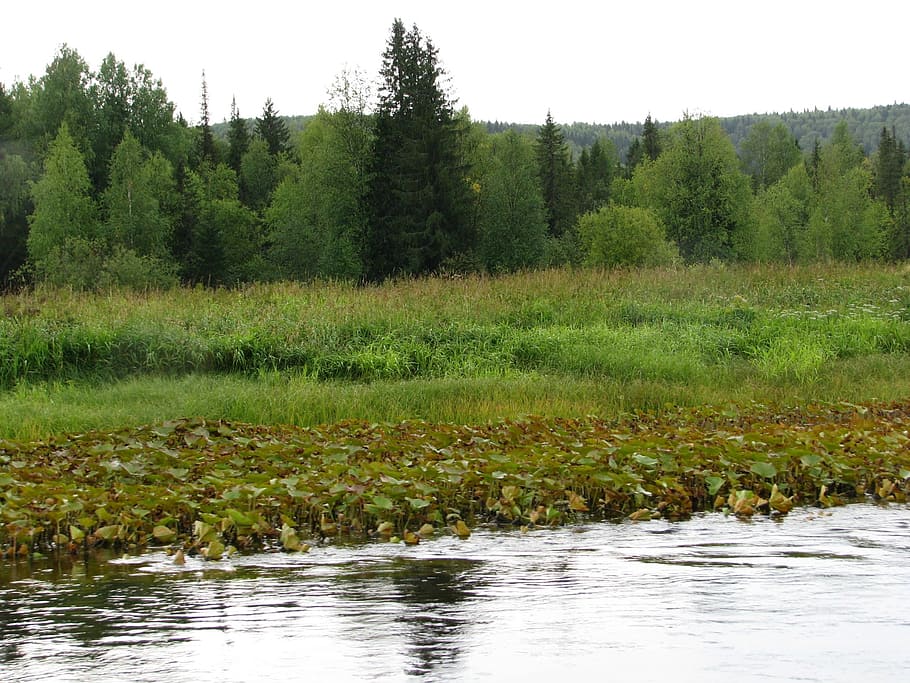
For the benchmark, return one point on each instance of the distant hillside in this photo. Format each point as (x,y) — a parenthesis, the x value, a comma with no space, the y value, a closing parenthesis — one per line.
(865,125)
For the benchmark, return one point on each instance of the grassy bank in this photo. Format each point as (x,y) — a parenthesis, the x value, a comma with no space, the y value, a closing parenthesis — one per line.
(555,343)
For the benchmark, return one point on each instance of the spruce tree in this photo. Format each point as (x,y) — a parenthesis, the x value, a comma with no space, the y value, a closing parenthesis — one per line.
(206,140)
(272,128)
(650,139)
(555,173)
(594,175)
(238,137)
(634,156)
(888,168)
(419,197)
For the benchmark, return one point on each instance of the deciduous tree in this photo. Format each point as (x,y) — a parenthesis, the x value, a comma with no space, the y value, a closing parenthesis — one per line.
(64,209)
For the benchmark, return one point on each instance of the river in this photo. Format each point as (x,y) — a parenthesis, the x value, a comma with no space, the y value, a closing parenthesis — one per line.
(816,596)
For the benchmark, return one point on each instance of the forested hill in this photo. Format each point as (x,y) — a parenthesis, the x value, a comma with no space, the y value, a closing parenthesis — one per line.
(865,126)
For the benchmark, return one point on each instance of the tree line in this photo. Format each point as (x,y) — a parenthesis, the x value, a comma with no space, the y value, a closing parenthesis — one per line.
(103,184)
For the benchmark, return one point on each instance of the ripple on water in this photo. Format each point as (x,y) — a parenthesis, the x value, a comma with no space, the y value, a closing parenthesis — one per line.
(816,596)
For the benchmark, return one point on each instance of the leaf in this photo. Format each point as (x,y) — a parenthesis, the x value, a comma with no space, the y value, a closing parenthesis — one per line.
(215,550)
(764,469)
(426,530)
(714,484)
(779,502)
(239,518)
(108,533)
(461,529)
(418,503)
(385,529)
(645,460)
(288,538)
(410,538)
(644,514)
(76,533)
(383,503)
(576,502)
(163,534)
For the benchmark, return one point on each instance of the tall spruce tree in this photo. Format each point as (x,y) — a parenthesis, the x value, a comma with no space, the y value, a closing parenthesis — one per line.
(272,128)
(419,197)
(594,175)
(888,168)
(555,169)
(650,139)
(206,140)
(238,137)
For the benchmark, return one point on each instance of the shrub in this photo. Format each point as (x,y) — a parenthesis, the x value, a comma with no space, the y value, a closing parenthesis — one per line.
(624,236)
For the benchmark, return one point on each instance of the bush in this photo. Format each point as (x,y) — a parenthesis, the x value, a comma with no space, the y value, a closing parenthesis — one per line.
(624,236)
(126,268)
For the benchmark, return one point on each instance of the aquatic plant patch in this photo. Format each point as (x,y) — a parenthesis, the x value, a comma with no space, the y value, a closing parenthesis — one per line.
(210,486)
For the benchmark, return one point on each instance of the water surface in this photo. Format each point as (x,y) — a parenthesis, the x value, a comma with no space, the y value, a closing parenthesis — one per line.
(817,596)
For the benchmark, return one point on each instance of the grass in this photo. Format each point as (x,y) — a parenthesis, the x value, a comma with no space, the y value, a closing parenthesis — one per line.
(476,349)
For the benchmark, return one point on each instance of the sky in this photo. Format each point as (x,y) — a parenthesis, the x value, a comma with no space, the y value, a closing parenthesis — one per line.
(597,62)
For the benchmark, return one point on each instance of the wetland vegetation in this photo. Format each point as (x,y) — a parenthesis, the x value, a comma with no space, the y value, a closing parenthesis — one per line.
(131,419)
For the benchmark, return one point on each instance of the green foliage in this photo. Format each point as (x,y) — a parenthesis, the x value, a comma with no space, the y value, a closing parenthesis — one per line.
(651,143)
(126,101)
(845,222)
(238,136)
(555,171)
(699,192)
(594,175)
(127,269)
(206,141)
(768,152)
(258,174)
(781,217)
(419,202)
(317,219)
(61,96)
(271,128)
(15,206)
(624,236)
(156,483)
(134,217)
(513,224)
(63,206)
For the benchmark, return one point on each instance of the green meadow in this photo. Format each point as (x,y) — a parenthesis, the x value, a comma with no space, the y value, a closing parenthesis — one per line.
(560,343)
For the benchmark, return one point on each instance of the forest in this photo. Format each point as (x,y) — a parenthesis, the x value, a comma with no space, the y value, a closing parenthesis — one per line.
(103,184)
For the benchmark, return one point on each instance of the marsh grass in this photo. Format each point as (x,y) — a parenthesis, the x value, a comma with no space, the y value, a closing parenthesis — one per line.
(554,342)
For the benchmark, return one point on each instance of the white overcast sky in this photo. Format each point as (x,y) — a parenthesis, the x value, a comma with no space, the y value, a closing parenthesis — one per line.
(594,61)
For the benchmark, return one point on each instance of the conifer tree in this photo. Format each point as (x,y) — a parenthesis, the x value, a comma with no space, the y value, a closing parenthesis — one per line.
(238,138)
(272,128)
(419,196)
(555,172)
(650,139)
(596,167)
(889,164)
(207,140)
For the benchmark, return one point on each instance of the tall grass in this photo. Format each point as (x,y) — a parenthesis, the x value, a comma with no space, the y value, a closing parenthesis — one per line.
(557,342)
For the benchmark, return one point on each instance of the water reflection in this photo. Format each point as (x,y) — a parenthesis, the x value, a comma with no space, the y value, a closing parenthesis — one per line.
(430,600)
(817,596)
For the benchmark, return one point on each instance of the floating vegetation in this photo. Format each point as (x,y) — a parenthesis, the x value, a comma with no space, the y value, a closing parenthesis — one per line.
(214,487)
